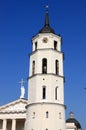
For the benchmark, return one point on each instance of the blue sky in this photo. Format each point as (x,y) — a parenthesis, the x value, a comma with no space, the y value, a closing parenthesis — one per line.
(19,21)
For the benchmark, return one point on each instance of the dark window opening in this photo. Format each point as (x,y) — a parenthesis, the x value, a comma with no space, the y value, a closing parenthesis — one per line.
(56,93)
(44,93)
(55,45)
(44,66)
(47,114)
(33,68)
(35,45)
(57,67)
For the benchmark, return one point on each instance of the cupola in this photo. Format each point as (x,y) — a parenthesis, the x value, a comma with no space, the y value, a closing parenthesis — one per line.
(73,120)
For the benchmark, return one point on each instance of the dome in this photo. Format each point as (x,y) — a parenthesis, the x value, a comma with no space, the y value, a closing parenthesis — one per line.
(73,120)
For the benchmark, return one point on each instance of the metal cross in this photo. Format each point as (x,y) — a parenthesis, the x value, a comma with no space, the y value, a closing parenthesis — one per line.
(22,82)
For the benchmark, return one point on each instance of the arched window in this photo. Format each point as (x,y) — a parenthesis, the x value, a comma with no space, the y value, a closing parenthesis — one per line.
(47,114)
(44,65)
(44,92)
(57,67)
(56,89)
(33,68)
(35,45)
(55,45)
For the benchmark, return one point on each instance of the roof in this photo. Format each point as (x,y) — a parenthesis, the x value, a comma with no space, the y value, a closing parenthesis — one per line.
(47,28)
(73,120)
(77,124)
(16,106)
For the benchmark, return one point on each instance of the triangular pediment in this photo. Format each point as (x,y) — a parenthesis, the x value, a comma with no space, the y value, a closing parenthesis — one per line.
(14,107)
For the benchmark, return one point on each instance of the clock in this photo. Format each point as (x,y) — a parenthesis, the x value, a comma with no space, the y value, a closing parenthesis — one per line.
(45,40)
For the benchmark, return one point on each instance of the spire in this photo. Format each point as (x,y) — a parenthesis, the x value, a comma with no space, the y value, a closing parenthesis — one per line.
(46,28)
(47,17)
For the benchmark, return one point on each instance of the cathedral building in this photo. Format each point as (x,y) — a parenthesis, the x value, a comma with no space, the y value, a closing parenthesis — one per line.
(45,108)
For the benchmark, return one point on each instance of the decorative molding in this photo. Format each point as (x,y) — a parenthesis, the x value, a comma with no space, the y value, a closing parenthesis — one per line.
(45,75)
(45,49)
(47,103)
(17,106)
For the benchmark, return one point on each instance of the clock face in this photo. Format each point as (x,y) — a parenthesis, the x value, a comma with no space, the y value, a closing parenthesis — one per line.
(45,40)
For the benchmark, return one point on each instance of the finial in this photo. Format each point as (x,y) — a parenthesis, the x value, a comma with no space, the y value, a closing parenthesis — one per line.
(47,17)
(71,115)
(22,88)
(46,8)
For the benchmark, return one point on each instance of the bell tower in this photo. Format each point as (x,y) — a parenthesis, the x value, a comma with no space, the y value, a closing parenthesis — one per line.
(46,109)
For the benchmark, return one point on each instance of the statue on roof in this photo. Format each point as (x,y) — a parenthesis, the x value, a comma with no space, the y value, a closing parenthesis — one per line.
(22,88)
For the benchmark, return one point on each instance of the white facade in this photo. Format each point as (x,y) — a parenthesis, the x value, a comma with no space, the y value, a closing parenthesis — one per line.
(13,115)
(45,109)
(71,126)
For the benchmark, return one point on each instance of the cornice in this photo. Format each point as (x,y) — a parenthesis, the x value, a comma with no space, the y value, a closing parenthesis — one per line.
(17,106)
(12,112)
(45,103)
(45,49)
(40,74)
(45,34)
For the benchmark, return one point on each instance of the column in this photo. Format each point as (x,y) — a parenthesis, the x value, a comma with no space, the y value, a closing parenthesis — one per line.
(13,124)
(4,127)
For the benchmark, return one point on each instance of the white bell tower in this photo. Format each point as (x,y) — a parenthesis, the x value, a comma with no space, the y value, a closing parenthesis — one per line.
(46,109)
